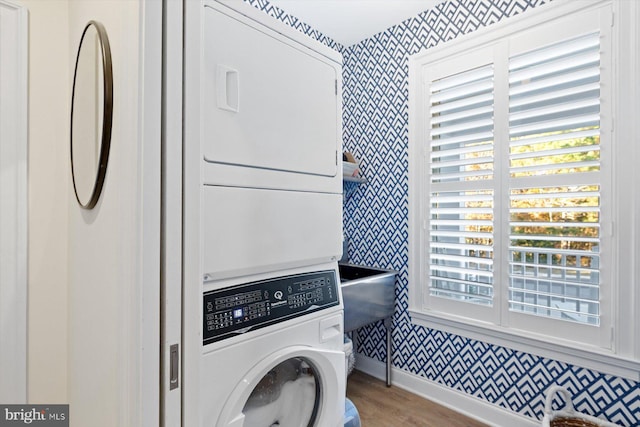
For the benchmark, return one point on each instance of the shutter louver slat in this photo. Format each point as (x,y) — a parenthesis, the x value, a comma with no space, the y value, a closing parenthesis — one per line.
(555,152)
(451,84)
(572,61)
(555,109)
(461,115)
(556,51)
(533,99)
(485,261)
(476,88)
(581,134)
(466,102)
(574,79)
(467,163)
(457,246)
(477,138)
(461,127)
(555,125)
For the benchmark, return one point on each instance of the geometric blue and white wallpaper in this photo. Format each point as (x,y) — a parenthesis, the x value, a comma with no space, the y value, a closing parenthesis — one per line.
(375,123)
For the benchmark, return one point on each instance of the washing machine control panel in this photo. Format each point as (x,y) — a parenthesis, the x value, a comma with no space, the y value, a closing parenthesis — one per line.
(239,309)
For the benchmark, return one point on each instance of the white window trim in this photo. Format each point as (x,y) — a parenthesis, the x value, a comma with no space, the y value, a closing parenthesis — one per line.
(624,357)
(13,215)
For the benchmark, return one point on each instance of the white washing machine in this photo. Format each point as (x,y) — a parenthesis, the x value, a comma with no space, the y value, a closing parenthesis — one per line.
(273,352)
(263,313)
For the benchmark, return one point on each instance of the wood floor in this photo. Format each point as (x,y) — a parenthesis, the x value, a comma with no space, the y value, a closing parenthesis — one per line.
(382,406)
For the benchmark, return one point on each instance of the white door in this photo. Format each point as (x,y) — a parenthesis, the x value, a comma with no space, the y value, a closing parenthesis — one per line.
(268,102)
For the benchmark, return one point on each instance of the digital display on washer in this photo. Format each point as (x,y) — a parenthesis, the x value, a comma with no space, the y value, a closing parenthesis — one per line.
(238,309)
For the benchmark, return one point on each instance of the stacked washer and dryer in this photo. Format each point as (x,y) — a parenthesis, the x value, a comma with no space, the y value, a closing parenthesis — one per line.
(265,149)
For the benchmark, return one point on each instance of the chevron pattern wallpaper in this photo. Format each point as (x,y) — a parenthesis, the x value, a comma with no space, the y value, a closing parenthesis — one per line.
(376,220)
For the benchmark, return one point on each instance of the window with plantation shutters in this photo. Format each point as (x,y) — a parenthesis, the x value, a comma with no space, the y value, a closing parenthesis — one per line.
(554,180)
(460,192)
(511,215)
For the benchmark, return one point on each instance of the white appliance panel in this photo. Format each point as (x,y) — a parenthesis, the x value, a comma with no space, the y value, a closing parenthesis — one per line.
(248,231)
(268,102)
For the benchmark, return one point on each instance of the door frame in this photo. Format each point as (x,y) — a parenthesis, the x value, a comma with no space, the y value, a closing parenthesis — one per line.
(171,346)
(13,215)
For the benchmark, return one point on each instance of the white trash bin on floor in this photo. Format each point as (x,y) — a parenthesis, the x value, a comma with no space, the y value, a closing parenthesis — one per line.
(350,357)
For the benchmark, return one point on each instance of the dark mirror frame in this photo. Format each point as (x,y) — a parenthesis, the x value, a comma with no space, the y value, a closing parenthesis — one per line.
(107,115)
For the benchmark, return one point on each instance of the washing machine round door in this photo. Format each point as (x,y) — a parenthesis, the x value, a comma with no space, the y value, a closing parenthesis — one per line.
(290,388)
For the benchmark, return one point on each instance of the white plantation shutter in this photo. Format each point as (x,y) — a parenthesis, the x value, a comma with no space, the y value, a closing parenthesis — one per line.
(461,197)
(554,227)
(516,228)
(552,177)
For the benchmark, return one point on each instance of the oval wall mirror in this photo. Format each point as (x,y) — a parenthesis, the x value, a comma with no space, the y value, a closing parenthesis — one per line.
(91,114)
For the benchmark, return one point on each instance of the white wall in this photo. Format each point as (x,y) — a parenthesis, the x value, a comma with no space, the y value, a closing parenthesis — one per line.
(49,93)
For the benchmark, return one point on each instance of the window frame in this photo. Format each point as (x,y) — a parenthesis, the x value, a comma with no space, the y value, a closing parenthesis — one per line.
(616,350)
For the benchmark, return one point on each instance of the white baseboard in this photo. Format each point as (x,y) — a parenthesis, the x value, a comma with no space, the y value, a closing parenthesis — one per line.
(460,402)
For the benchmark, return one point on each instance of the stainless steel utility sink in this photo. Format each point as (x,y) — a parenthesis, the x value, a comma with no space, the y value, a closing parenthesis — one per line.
(368,295)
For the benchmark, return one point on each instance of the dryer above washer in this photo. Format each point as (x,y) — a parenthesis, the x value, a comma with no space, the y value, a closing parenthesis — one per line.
(271,106)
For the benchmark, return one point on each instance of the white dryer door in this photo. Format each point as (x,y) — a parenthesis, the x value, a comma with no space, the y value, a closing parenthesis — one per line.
(268,102)
(293,387)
